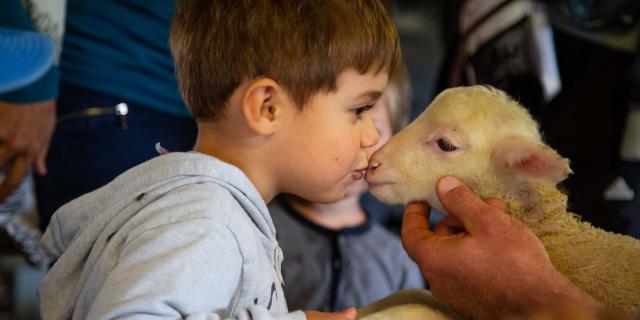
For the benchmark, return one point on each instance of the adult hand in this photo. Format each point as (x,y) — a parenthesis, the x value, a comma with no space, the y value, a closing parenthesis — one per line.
(25,133)
(347,314)
(481,261)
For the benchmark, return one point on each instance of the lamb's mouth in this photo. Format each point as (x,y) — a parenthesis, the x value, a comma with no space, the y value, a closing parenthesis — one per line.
(374,184)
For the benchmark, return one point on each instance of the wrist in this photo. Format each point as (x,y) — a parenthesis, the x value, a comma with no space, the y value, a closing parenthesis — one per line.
(566,291)
(551,293)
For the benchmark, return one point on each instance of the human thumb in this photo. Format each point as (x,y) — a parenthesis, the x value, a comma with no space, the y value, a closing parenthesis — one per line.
(460,202)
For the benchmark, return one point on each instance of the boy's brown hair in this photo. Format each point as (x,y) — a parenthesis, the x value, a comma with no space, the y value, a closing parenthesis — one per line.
(302,44)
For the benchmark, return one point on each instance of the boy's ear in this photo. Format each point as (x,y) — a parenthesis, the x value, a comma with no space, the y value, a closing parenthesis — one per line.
(261,107)
(526,157)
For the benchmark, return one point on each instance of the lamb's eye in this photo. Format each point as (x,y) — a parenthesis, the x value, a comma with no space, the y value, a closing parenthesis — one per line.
(446,146)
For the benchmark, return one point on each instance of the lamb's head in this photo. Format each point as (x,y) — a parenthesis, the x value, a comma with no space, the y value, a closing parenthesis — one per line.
(477,134)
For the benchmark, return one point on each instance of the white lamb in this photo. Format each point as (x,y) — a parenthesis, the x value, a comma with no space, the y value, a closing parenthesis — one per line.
(490,142)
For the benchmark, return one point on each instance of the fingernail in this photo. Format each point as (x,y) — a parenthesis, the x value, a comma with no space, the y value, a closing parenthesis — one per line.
(448,183)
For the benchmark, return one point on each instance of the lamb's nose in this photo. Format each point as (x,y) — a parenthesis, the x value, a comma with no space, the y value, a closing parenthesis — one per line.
(373,165)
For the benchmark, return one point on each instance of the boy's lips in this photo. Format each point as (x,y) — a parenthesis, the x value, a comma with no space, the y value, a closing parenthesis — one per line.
(359,174)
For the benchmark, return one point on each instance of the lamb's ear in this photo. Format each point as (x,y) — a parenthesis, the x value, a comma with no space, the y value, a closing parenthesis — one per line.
(530,158)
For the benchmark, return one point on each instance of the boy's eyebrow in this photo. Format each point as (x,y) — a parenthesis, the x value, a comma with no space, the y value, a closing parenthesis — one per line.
(373,94)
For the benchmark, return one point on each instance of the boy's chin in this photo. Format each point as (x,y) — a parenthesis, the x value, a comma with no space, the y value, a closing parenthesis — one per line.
(325,197)
(356,188)
(330,195)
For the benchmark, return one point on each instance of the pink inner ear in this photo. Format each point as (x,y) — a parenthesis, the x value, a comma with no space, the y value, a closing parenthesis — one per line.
(530,158)
(548,167)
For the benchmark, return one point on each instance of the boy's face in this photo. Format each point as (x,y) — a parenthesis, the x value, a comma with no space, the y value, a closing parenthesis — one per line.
(382,122)
(326,143)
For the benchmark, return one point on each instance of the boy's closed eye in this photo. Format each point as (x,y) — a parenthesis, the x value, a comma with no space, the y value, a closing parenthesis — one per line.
(360,110)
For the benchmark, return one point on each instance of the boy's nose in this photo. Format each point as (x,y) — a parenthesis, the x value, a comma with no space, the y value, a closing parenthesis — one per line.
(370,135)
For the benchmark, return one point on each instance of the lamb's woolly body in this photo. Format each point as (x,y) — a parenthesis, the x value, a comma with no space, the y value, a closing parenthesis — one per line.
(409,304)
(602,263)
(408,311)
(496,142)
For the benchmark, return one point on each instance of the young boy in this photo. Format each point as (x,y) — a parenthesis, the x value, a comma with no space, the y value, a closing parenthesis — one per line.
(336,255)
(280,90)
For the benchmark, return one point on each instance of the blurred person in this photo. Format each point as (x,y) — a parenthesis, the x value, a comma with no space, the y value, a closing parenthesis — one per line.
(25,57)
(117,98)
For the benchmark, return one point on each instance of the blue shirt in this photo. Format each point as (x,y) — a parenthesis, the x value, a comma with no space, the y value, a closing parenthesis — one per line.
(121,48)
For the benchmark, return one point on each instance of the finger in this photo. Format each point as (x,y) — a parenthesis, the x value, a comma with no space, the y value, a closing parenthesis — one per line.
(448,226)
(415,225)
(461,203)
(496,203)
(50,119)
(40,164)
(13,176)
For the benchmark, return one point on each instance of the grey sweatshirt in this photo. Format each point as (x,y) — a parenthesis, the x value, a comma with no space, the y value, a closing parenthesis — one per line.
(183,235)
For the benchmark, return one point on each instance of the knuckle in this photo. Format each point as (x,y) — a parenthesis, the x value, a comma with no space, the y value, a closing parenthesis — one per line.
(495,221)
(16,143)
(496,203)
(489,215)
